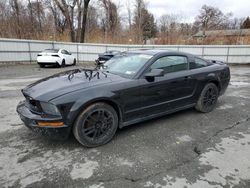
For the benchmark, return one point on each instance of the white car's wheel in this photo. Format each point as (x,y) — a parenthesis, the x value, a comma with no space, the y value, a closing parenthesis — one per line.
(74,62)
(63,63)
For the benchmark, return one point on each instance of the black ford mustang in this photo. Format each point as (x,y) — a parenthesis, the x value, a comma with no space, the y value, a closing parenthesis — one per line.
(130,88)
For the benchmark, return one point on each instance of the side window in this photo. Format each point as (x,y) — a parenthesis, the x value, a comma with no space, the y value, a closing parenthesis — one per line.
(171,64)
(198,63)
(65,52)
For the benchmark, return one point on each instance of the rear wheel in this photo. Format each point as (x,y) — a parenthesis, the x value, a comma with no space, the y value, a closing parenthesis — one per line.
(96,125)
(63,63)
(208,98)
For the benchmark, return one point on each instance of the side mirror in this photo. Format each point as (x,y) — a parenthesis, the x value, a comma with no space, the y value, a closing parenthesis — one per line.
(154,73)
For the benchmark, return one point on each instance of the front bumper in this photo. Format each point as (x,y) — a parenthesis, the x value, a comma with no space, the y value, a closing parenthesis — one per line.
(30,120)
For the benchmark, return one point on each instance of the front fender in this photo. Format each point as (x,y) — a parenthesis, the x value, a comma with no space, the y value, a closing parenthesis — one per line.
(74,103)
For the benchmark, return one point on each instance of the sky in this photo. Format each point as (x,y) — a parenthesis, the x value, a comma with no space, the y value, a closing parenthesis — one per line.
(188,9)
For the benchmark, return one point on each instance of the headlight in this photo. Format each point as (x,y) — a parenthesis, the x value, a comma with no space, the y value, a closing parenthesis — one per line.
(49,108)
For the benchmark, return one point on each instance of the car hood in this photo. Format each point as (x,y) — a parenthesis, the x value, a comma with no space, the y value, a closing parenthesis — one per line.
(65,82)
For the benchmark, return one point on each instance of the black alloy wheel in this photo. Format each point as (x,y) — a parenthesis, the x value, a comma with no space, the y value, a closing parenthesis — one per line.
(96,125)
(208,98)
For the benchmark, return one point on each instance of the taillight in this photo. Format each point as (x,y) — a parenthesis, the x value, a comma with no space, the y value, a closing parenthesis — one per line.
(39,55)
(55,55)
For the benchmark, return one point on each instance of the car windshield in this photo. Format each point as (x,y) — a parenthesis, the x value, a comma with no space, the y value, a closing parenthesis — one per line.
(51,51)
(126,65)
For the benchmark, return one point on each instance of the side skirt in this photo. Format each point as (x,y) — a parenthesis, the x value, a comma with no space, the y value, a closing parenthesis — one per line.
(127,123)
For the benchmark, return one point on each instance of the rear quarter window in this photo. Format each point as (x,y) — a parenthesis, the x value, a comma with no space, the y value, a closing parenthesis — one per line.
(199,63)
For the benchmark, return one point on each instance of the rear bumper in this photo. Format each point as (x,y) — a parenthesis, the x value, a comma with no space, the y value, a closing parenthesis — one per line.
(48,60)
(47,63)
(30,120)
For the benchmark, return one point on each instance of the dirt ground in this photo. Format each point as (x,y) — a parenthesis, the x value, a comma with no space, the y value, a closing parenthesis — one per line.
(185,149)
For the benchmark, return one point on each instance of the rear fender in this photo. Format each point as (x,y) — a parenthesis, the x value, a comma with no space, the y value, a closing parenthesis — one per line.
(214,78)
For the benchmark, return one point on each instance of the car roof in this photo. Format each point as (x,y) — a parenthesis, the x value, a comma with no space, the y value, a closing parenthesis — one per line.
(154,52)
(52,49)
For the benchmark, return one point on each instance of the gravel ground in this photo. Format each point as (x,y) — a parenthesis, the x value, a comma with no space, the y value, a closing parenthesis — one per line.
(185,149)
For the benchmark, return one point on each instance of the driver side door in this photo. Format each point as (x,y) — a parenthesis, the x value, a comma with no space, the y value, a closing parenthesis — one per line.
(170,91)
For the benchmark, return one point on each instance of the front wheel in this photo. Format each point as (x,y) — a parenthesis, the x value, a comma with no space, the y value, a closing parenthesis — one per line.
(74,62)
(96,125)
(208,98)
(63,63)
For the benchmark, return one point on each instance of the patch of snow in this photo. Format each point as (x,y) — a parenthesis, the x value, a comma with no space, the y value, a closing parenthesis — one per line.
(225,106)
(240,83)
(83,170)
(184,138)
(124,162)
(100,185)
(239,94)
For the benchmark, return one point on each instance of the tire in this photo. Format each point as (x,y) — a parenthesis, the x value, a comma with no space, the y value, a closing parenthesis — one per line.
(74,62)
(96,125)
(208,98)
(41,65)
(63,63)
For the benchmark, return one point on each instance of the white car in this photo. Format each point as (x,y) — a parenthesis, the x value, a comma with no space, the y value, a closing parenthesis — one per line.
(59,57)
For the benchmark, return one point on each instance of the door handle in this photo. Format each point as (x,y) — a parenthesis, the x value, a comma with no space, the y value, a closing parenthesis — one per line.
(187,77)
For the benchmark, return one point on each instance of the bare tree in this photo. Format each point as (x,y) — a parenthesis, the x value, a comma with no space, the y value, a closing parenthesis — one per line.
(67,10)
(92,27)
(211,18)
(129,12)
(40,13)
(84,20)
(15,4)
(144,22)
(31,15)
(36,15)
(139,6)
(59,19)
(246,23)
(111,18)
(79,18)
(168,23)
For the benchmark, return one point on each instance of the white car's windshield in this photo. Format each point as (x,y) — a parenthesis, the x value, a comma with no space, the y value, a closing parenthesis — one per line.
(126,64)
